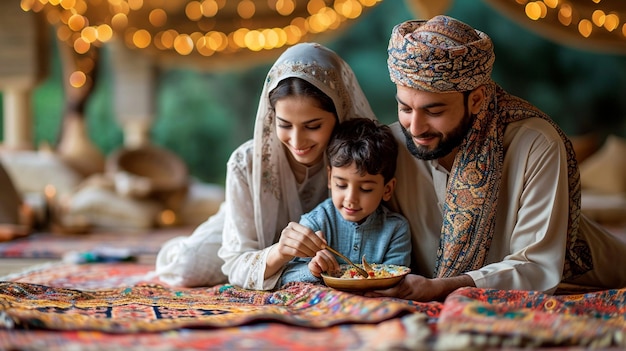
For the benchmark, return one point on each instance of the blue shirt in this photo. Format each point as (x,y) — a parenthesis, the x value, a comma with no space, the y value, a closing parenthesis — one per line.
(384,237)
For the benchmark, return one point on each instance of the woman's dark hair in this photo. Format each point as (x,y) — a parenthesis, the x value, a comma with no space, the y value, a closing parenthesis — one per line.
(293,86)
(368,143)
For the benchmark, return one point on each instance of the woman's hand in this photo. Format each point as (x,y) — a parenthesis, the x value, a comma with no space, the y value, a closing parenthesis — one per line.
(324,261)
(295,240)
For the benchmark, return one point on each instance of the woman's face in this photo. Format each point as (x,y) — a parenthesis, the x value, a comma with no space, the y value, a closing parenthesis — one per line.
(303,128)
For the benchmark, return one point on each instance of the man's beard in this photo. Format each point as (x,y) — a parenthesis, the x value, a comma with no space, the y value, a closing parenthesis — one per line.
(446,144)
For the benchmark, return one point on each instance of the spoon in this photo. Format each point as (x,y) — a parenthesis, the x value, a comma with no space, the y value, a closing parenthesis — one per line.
(359,270)
(366,265)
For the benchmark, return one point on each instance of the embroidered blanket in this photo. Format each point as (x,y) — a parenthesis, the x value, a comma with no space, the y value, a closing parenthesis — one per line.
(151,307)
(112,301)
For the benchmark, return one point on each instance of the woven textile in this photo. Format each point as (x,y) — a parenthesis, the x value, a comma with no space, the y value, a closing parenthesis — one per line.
(157,308)
(257,337)
(81,280)
(139,303)
(121,305)
(527,318)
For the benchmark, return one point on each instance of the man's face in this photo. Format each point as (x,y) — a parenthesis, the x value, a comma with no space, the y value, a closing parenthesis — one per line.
(436,123)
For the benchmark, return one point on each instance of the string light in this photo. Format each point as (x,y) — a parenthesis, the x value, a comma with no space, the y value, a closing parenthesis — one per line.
(211,28)
(201,27)
(587,20)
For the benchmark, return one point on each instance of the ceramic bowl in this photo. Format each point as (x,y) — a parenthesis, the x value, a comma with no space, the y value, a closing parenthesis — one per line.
(394,274)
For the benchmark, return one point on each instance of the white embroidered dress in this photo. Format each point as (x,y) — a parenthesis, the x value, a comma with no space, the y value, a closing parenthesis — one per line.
(262,195)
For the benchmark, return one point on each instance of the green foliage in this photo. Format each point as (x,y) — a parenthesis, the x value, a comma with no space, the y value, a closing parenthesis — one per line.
(203,117)
(48,101)
(581,90)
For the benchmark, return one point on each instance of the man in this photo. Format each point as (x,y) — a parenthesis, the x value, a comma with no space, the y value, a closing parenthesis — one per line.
(488,182)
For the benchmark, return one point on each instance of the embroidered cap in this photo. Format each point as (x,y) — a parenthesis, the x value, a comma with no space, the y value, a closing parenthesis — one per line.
(439,55)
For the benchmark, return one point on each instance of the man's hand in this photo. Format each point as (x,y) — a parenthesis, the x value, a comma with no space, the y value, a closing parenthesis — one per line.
(418,288)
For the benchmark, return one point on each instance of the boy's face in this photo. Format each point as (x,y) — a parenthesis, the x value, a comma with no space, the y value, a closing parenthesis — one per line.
(357,196)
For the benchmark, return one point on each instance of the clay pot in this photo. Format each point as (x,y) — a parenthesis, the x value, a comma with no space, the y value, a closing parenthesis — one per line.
(149,171)
(76,148)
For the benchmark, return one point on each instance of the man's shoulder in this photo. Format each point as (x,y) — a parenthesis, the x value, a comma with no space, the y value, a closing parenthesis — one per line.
(403,151)
(531,129)
(396,129)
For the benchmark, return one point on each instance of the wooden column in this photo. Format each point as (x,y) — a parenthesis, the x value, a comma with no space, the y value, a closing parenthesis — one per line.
(22,65)
(133,86)
(18,126)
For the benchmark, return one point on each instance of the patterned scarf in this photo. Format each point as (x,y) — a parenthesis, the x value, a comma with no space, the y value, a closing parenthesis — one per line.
(445,55)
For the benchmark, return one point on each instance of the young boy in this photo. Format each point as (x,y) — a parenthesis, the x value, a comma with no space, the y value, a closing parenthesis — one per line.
(361,165)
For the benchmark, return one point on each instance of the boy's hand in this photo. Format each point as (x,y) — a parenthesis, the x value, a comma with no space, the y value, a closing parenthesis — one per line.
(324,261)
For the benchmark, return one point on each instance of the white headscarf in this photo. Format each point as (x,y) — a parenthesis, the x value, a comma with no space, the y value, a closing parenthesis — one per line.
(272,175)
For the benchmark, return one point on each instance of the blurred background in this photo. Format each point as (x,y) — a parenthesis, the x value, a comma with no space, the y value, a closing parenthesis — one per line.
(202,107)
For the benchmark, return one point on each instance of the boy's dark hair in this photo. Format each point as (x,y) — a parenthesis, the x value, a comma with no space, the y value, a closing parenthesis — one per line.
(368,143)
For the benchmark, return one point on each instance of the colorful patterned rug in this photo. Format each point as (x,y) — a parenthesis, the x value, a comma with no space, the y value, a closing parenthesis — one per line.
(122,306)
(70,305)
(255,337)
(533,319)
(151,307)
(55,245)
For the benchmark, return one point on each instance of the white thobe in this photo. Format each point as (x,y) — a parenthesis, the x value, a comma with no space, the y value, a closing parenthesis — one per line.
(527,251)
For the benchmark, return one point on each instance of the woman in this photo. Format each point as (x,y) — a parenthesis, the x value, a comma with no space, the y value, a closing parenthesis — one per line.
(272,179)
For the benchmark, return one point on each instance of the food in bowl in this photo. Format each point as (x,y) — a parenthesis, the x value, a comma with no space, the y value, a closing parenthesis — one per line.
(382,276)
(377,271)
